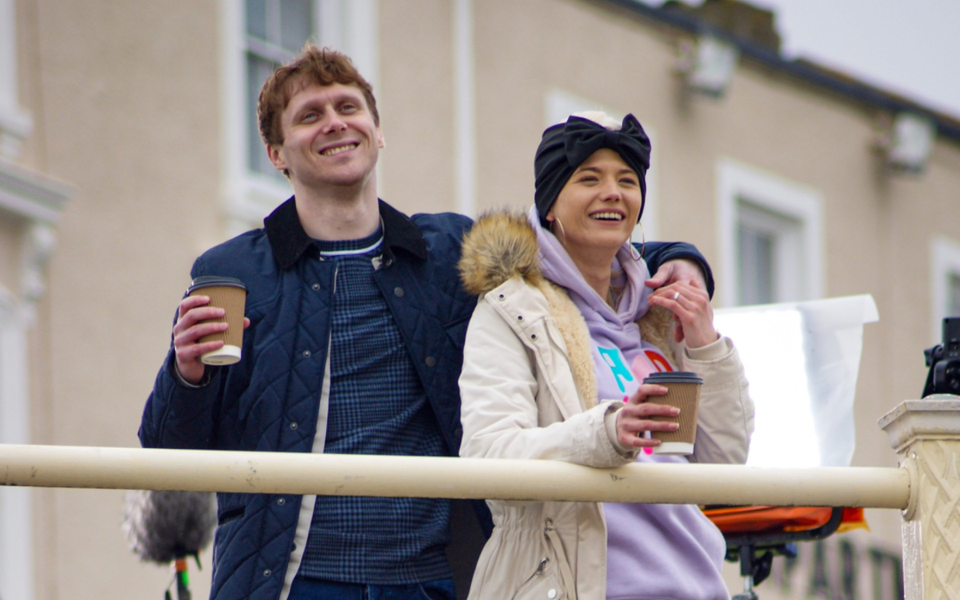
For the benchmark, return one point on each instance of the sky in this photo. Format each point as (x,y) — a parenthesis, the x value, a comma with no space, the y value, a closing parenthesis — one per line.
(909,47)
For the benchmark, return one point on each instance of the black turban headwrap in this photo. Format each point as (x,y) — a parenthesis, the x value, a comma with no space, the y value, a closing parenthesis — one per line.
(566,145)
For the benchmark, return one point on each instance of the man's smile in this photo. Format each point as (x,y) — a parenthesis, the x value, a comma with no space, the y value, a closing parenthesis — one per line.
(338,149)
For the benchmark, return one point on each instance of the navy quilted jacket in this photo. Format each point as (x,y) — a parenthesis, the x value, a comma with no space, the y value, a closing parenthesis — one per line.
(269,401)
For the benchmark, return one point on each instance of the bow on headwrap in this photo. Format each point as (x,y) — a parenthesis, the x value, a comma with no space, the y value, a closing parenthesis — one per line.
(566,145)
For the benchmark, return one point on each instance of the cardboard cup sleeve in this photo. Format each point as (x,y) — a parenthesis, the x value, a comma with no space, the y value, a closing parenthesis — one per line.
(684,393)
(231,295)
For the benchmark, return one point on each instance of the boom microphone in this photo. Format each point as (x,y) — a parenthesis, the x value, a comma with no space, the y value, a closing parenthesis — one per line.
(165,526)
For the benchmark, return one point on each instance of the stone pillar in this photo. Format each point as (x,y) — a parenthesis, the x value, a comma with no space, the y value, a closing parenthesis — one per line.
(926,435)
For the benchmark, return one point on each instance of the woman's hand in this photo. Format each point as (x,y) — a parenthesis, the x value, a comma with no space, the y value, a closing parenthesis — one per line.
(634,419)
(691,308)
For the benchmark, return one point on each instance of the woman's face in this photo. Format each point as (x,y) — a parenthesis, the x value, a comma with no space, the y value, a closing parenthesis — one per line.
(599,205)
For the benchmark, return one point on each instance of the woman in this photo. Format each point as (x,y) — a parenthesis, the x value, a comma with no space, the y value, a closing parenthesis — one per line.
(562,336)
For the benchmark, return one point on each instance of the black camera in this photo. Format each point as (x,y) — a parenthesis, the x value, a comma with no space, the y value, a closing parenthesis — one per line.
(944,361)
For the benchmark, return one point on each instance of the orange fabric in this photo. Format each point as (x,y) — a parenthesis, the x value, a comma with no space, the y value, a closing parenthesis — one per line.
(740,520)
(756,519)
(852,519)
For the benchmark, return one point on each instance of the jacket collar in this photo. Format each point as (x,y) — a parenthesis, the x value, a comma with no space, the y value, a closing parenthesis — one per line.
(289,242)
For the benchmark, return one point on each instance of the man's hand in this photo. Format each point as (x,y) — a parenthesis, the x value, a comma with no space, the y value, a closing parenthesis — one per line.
(676,271)
(193,322)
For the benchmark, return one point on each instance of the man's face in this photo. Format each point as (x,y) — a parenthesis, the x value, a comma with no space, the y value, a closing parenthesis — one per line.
(329,138)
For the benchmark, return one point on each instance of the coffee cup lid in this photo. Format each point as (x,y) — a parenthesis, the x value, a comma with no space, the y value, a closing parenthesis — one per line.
(215,280)
(673,377)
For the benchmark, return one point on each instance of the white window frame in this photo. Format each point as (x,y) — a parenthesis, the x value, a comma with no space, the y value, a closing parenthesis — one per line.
(15,123)
(944,263)
(787,247)
(350,26)
(739,183)
(560,104)
(465,110)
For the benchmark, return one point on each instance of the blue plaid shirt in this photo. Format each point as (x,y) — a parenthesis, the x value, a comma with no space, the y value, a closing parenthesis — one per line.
(377,406)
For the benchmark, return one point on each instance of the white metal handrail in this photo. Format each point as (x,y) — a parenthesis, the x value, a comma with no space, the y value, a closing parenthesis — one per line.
(925,434)
(375,475)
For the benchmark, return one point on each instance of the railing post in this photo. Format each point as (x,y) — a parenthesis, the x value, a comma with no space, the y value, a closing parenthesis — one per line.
(926,435)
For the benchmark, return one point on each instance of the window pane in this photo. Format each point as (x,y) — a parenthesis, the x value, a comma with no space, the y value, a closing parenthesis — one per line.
(276,31)
(258,70)
(296,23)
(953,300)
(256,11)
(756,266)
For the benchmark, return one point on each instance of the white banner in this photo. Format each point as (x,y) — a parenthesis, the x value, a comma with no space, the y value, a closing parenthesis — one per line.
(802,360)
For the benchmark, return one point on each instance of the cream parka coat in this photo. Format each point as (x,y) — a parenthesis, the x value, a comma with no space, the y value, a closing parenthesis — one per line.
(529,391)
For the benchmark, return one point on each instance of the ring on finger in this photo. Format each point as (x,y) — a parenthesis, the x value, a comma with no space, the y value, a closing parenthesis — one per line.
(676,295)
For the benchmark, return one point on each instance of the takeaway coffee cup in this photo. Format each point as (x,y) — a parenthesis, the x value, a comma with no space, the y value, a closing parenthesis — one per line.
(231,295)
(684,393)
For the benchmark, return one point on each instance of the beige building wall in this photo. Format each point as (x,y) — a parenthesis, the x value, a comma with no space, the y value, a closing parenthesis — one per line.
(124,99)
(415,98)
(127,106)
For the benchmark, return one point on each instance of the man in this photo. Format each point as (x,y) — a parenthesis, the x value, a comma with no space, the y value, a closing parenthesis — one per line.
(356,323)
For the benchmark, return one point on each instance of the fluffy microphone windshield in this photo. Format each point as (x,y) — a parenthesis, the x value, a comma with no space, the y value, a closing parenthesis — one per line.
(162,526)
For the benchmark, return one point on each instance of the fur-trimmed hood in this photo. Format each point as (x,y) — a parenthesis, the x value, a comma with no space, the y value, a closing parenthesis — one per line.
(501,245)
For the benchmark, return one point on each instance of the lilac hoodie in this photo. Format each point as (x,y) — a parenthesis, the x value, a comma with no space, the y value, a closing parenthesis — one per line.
(654,551)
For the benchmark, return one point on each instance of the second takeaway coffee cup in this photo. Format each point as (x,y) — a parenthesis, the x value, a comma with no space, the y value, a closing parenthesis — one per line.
(684,393)
(231,295)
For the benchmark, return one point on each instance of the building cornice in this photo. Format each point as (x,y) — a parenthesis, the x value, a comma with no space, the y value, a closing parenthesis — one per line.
(803,70)
(31,196)
(37,202)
